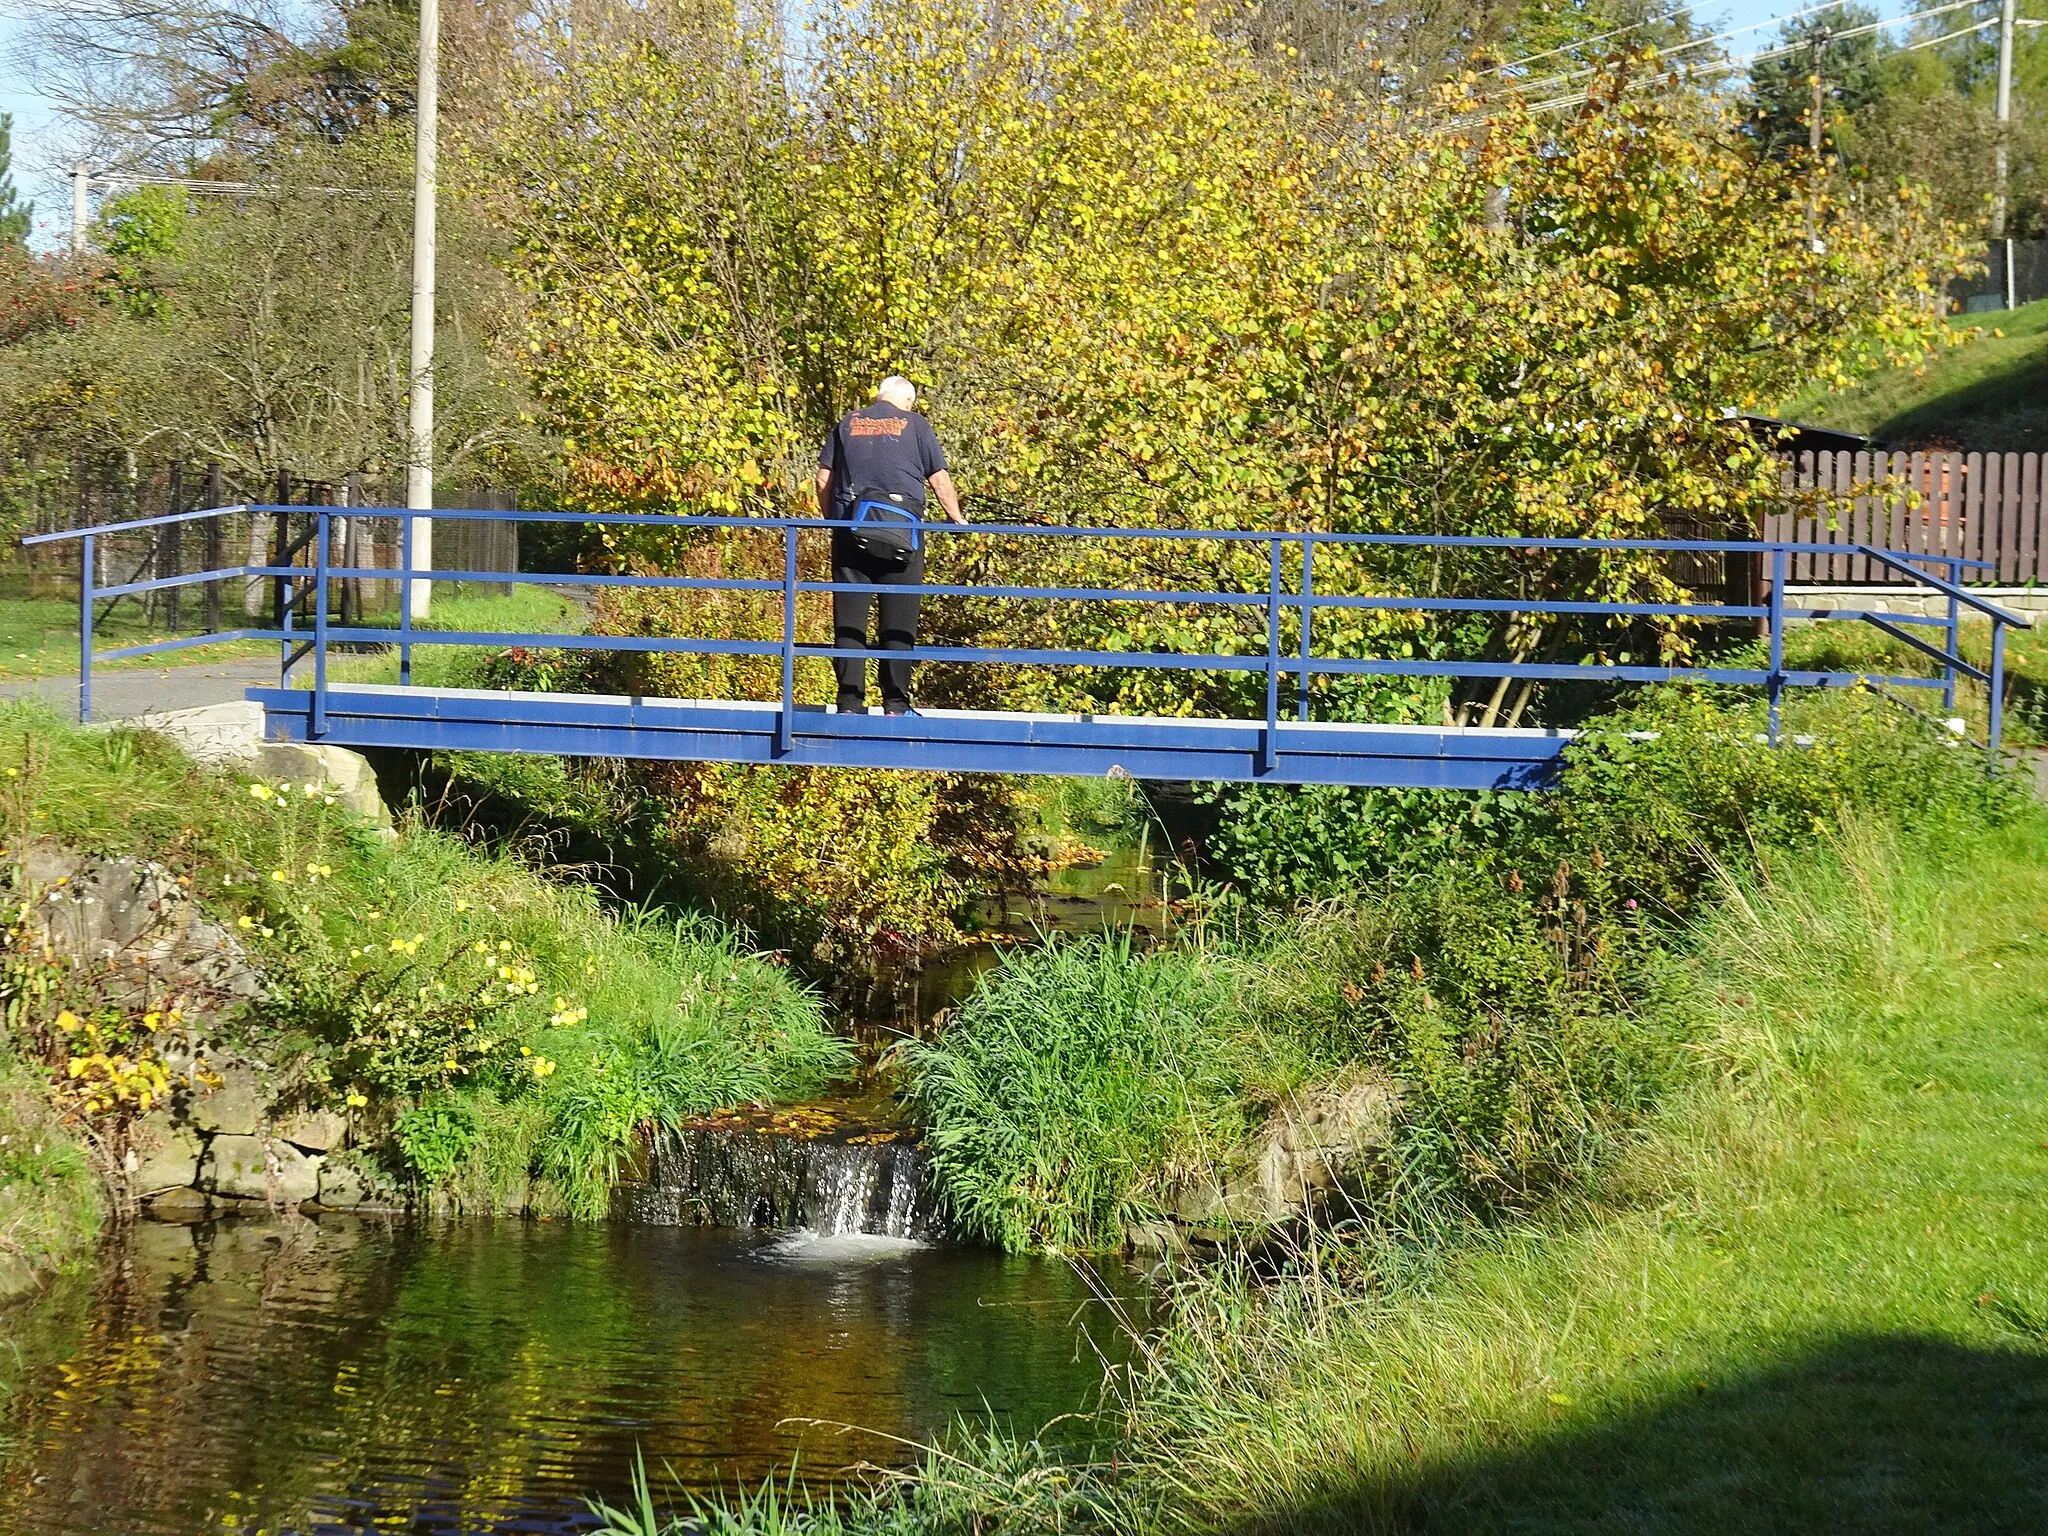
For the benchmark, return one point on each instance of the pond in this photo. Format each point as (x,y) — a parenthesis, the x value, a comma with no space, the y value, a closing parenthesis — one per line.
(351,1375)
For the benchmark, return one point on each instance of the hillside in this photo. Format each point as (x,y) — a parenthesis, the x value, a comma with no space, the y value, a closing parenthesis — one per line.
(1988,393)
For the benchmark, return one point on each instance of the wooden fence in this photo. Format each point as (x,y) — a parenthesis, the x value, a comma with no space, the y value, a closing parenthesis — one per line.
(1980,506)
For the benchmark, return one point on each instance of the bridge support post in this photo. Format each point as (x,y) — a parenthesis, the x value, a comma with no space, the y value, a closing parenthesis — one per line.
(1308,565)
(1994,728)
(785,723)
(1955,639)
(405,520)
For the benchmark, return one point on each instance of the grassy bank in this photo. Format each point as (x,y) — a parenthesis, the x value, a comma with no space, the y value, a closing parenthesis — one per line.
(1809,1297)
(1859,648)
(50,1204)
(1498,964)
(492,1035)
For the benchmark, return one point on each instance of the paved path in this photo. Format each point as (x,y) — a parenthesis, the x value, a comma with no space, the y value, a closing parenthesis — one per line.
(118,695)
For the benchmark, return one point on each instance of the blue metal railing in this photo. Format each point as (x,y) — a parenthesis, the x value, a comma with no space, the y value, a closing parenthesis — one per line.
(293,584)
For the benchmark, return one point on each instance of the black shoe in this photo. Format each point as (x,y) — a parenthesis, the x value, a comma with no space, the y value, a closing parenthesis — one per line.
(857,707)
(893,710)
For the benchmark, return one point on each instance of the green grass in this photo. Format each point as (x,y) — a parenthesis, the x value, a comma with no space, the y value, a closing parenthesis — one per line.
(1858,648)
(527,609)
(39,635)
(1070,1078)
(39,638)
(1989,392)
(1814,1297)
(682,1017)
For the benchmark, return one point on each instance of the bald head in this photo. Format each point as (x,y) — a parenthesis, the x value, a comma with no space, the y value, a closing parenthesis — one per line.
(898,391)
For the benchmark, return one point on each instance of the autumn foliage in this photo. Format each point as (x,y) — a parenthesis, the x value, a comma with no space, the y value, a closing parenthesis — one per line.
(1145,282)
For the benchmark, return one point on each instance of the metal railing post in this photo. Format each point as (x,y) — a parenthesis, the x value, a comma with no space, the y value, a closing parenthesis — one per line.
(85,632)
(1776,685)
(1955,638)
(785,723)
(405,599)
(1308,560)
(1994,731)
(320,563)
(287,595)
(1269,750)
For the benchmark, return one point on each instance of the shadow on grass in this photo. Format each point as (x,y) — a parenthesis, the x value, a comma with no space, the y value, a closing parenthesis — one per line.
(2002,412)
(1888,1434)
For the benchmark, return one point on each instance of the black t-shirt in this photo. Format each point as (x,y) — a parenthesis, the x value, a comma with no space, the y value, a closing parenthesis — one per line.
(881,448)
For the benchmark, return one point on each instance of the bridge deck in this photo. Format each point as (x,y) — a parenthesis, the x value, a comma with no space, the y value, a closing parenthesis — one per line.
(944,740)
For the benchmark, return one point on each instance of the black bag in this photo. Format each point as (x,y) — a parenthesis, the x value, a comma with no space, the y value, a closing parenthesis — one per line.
(883,529)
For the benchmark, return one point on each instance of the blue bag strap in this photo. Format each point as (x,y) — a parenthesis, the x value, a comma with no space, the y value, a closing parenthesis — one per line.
(860,515)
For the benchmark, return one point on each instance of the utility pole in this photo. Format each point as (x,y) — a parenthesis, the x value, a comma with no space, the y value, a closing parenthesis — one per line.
(1813,121)
(1999,147)
(419,458)
(81,176)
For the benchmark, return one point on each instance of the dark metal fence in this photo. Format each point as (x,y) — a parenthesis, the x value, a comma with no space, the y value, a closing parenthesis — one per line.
(1975,506)
(1988,291)
(262,530)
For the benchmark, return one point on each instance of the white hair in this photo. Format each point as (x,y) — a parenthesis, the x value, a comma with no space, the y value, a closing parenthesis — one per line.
(898,391)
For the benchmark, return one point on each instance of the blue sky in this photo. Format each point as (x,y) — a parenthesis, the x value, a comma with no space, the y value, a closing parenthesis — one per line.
(40,172)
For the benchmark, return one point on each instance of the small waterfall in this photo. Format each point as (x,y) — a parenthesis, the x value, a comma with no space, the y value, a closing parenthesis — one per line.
(748,1177)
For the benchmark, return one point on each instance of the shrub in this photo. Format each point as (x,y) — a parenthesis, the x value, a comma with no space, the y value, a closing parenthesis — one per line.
(1662,789)
(437,1136)
(821,861)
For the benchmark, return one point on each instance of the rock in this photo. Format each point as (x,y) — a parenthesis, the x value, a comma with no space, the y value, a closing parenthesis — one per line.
(259,1168)
(346,775)
(181,1205)
(130,912)
(1163,1238)
(344,1186)
(243,1205)
(218,735)
(311,1130)
(231,736)
(162,1155)
(236,1107)
(1302,1153)
(1311,1143)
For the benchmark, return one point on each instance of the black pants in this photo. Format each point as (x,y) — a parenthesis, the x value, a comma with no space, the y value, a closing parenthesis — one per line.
(850,624)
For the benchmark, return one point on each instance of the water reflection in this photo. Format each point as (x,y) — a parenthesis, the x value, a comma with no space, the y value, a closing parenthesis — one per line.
(485,1377)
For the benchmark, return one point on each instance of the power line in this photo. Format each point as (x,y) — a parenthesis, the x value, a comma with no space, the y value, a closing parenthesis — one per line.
(1578,98)
(1585,42)
(1552,81)
(113,180)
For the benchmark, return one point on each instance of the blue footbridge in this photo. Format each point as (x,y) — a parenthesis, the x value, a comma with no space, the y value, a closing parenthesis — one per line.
(1924,609)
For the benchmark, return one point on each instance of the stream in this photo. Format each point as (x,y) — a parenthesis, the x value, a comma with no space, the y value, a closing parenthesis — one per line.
(776,1287)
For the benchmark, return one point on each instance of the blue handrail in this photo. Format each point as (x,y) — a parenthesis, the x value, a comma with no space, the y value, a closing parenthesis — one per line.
(1277,599)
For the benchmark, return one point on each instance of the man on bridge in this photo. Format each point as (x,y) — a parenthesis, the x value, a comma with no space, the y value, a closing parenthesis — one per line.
(872,475)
